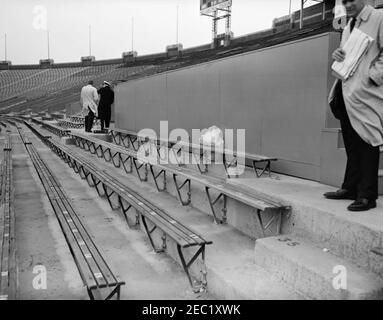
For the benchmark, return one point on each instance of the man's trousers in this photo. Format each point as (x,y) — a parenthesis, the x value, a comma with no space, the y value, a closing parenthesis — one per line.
(361,176)
(89,121)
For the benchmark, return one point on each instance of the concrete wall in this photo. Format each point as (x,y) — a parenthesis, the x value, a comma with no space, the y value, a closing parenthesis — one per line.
(278,94)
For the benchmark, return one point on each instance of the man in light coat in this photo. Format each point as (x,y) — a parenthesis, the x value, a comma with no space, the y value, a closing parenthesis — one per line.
(89,100)
(358,104)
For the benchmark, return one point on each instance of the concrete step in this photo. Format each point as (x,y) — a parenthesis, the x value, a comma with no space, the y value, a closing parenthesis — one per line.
(350,235)
(315,273)
(231,271)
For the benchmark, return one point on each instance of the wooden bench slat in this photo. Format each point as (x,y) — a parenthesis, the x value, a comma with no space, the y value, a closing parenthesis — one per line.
(93,268)
(182,236)
(211,182)
(179,237)
(81,235)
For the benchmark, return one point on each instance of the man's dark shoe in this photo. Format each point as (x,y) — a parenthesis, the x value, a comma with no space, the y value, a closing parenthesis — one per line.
(340,194)
(362,205)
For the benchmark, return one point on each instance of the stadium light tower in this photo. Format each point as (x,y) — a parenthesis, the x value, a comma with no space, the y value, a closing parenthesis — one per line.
(5,47)
(303,2)
(132,34)
(48,45)
(90,40)
(218,10)
(177,25)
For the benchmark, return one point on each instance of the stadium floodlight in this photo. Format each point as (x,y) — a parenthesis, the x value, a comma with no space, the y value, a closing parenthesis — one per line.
(132,34)
(5,47)
(48,45)
(90,40)
(213,9)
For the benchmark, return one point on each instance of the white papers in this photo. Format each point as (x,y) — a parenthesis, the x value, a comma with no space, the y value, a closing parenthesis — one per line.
(355,47)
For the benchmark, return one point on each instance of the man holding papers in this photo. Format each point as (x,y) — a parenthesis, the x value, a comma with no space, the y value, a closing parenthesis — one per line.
(356,99)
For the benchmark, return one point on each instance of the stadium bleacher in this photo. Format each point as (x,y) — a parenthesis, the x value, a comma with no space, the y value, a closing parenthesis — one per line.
(270,235)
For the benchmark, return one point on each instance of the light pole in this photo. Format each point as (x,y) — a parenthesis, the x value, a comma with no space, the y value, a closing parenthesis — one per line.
(5,46)
(90,40)
(177,25)
(48,44)
(132,34)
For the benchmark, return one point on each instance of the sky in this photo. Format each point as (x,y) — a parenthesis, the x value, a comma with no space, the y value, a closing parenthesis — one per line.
(155,26)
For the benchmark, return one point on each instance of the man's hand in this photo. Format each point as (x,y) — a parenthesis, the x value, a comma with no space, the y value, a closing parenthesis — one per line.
(339,55)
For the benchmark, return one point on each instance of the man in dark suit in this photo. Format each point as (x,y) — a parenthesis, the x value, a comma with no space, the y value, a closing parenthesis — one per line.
(104,107)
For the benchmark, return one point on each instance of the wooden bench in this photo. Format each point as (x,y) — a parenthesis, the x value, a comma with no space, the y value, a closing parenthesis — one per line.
(69,124)
(378,251)
(59,131)
(56,129)
(94,271)
(129,160)
(8,277)
(261,164)
(120,196)
(77,119)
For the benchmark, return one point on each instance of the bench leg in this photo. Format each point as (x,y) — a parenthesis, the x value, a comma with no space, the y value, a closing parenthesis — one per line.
(187,265)
(96,185)
(155,177)
(116,291)
(132,140)
(107,153)
(87,175)
(116,163)
(260,171)
(178,188)
(92,148)
(200,163)
(98,151)
(116,137)
(145,178)
(125,211)
(130,159)
(212,202)
(228,165)
(164,150)
(109,197)
(90,294)
(149,233)
(277,218)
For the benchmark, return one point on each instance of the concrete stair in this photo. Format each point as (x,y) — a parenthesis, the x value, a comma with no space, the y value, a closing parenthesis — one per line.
(315,273)
(349,235)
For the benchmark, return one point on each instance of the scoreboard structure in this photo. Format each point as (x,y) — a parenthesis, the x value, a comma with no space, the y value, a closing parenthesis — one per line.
(218,10)
(209,6)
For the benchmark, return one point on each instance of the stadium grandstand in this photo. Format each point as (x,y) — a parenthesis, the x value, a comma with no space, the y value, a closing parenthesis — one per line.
(114,225)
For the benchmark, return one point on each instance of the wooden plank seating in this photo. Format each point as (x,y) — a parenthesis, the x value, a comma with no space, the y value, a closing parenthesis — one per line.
(8,276)
(77,119)
(70,124)
(261,164)
(120,196)
(94,271)
(59,131)
(56,129)
(129,160)
(378,251)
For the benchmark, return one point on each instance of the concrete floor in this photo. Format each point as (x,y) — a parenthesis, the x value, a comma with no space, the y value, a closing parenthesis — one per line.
(40,240)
